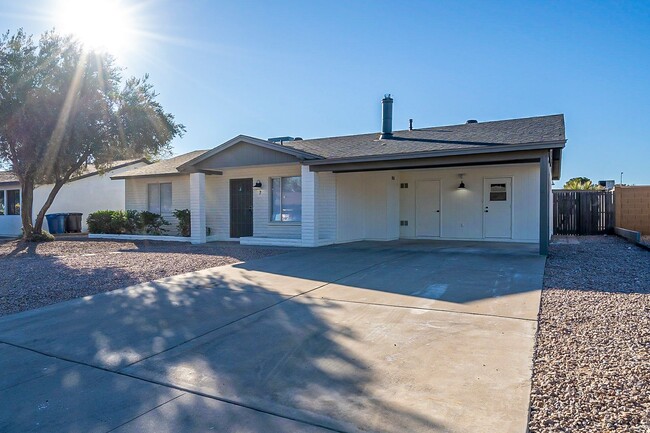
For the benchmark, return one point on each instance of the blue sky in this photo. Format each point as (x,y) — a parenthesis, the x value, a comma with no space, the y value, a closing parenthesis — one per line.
(313,69)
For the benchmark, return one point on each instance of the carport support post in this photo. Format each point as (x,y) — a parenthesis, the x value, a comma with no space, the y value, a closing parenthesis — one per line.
(544,204)
(309,225)
(197,207)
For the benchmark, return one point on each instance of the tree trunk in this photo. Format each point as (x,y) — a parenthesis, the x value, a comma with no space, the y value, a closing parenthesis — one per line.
(38,224)
(26,206)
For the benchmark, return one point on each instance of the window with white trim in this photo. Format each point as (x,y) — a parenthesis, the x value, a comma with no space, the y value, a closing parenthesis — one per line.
(286,199)
(10,202)
(159,198)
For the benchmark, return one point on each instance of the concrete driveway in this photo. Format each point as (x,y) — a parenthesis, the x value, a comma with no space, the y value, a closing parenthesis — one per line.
(383,337)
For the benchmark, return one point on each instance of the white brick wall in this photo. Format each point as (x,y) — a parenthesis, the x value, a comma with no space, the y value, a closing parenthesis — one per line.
(309,207)
(197,207)
(326,203)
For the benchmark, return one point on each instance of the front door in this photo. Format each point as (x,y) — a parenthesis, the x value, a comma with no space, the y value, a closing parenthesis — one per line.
(241,208)
(427,208)
(497,208)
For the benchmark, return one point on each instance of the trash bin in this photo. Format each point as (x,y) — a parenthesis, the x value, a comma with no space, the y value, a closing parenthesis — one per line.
(56,222)
(73,222)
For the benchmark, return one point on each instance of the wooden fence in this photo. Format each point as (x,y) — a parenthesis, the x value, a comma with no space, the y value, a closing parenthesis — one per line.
(583,212)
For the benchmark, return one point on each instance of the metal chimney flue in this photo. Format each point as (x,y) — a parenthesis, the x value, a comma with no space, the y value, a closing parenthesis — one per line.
(386,117)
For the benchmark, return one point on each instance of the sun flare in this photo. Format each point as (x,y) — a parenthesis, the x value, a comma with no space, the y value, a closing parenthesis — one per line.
(98,24)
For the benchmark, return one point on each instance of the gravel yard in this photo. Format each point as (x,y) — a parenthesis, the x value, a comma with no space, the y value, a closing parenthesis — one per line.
(35,275)
(645,240)
(592,361)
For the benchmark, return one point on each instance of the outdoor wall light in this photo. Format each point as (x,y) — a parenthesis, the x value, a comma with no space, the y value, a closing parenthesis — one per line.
(258,186)
(462,184)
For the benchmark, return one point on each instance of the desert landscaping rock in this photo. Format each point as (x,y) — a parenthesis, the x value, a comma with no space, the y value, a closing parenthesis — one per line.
(39,274)
(592,361)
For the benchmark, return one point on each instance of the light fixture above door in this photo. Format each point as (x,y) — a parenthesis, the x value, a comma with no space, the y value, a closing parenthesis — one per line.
(462,184)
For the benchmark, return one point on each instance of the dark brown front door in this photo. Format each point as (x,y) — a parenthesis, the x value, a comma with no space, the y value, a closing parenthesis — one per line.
(241,208)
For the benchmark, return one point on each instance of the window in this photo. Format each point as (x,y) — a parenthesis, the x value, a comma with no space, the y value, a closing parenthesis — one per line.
(2,202)
(498,192)
(286,199)
(159,198)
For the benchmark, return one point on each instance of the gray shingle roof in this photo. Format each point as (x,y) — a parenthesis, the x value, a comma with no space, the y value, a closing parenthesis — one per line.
(7,177)
(161,168)
(532,130)
(90,170)
(466,136)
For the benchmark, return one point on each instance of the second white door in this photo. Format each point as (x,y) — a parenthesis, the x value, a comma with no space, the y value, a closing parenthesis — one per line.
(427,208)
(497,208)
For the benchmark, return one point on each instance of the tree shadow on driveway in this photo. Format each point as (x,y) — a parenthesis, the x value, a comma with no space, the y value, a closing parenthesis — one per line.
(270,364)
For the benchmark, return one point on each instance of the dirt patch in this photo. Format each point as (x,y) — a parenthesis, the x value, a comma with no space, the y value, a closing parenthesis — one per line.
(35,275)
(592,360)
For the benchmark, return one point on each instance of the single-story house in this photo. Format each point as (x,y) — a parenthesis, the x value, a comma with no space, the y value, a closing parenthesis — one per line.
(88,192)
(473,181)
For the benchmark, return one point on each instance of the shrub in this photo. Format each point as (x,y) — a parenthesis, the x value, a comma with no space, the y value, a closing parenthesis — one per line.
(153,223)
(120,222)
(102,222)
(184,224)
(133,222)
(117,224)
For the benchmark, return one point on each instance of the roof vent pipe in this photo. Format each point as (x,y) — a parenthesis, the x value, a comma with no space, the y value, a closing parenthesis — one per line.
(386,117)
(410,124)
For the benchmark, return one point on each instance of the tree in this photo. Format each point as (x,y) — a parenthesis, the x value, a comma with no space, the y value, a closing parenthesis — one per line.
(581,183)
(63,107)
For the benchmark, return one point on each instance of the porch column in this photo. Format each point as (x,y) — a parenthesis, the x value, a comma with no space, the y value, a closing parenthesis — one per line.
(544,204)
(309,181)
(197,207)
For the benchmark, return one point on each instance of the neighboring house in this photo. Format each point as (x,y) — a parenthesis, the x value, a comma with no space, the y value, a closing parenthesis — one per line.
(10,222)
(89,192)
(474,181)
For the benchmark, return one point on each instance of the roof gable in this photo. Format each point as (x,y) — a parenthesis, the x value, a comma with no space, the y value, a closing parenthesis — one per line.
(244,154)
(244,151)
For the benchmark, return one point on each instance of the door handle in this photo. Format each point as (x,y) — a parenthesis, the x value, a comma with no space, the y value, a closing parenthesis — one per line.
(486,210)
(438,211)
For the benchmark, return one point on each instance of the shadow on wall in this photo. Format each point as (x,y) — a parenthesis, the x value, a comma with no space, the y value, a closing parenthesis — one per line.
(213,339)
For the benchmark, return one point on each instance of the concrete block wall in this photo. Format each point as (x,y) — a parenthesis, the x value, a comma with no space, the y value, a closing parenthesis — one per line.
(633,208)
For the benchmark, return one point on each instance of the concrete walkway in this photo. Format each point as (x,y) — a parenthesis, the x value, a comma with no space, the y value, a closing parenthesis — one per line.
(383,337)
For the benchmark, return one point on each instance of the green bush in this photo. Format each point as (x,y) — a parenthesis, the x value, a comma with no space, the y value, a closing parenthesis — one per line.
(102,221)
(184,224)
(153,223)
(134,222)
(129,222)
(117,224)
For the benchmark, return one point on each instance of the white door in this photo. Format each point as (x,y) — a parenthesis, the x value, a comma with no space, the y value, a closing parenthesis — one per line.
(427,208)
(497,208)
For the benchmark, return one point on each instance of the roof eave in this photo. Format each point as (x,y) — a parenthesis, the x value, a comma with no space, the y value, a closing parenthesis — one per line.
(432,154)
(133,176)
